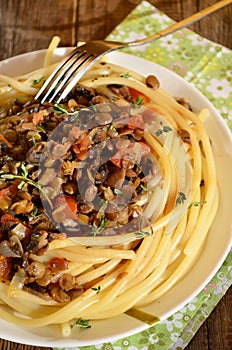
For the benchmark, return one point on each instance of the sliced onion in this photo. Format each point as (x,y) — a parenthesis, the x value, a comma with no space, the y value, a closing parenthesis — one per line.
(6,250)
(16,284)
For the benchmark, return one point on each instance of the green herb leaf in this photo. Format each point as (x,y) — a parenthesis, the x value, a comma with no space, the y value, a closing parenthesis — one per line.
(117,191)
(114,98)
(112,127)
(139,101)
(7,176)
(34,141)
(81,323)
(21,184)
(159,132)
(181,198)
(38,81)
(142,233)
(59,109)
(126,75)
(165,129)
(98,229)
(96,289)
(34,212)
(196,204)
(40,128)
(144,187)
(24,170)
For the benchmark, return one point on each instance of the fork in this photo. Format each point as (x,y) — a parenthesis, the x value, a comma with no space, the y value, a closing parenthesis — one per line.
(78,61)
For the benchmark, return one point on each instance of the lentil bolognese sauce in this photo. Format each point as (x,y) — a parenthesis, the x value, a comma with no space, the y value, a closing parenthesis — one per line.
(101,196)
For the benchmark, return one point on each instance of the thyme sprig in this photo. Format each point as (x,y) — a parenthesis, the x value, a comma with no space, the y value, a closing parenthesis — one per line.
(25,179)
(38,81)
(118,191)
(196,204)
(96,289)
(96,230)
(181,198)
(126,75)
(81,323)
(59,109)
(139,101)
(141,233)
(162,130)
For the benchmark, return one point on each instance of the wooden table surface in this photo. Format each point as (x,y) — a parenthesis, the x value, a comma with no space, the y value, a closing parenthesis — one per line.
(27,25)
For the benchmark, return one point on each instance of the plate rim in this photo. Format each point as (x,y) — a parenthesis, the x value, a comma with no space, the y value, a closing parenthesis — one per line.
(81,341)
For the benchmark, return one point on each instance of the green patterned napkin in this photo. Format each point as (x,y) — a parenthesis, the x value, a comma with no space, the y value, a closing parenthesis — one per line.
(208,66)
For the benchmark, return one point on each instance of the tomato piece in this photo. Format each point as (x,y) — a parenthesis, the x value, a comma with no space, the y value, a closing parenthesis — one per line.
(117,157)
(135,94)
(10,190)
(85,142)
(72,203)
(81,147)
(8,217)
(68,204)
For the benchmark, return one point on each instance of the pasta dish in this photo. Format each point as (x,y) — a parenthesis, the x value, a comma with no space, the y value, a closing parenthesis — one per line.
(106,199)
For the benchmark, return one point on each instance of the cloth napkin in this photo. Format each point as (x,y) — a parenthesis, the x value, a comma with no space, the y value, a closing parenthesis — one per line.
(208,66)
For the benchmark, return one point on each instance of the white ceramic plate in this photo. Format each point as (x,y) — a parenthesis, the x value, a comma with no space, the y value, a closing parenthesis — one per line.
(220,236)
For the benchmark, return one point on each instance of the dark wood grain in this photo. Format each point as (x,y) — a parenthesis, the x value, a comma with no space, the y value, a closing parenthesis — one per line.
(28,25)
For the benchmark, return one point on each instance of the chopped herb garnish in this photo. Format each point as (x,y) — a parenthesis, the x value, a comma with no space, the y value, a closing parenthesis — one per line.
(34,212)
(144,187)
(38,81)
(181,198)
(98,229)
(141,233)
(139,101)
(96,289)
(126,75)
(112,127)
(40,128)
(59,109)
(115,98)
(117,191)
(81,323)
(24,170)
(165,129)
(93,107)
(196,204)
(34,141)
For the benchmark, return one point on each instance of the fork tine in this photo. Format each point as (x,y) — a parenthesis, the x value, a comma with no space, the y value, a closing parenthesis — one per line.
(86,64)
(55,72)
(80,60)
(63,74)
(59,83)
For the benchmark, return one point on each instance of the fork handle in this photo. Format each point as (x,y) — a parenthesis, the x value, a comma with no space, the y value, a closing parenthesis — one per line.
(184,23)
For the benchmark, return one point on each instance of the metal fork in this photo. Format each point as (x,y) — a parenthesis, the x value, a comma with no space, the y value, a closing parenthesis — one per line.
(77,62)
